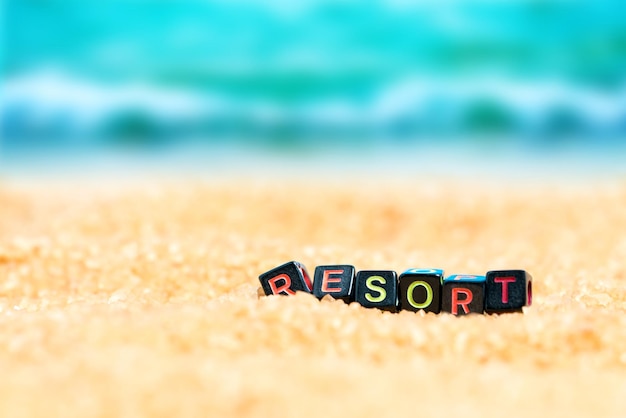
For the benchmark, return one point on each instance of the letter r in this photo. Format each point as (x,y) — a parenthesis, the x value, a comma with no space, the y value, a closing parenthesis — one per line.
(456,302)
(284,288)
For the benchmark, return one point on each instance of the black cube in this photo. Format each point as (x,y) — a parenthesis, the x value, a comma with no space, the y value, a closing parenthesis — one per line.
(420,289)
(463,294)
(286,279)
(508,290)
(377,289)
(336,281)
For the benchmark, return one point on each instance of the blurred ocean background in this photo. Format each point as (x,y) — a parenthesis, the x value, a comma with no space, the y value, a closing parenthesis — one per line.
(524,88)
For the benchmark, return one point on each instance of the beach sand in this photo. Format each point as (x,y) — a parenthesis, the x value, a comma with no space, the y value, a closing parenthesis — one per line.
(130,300)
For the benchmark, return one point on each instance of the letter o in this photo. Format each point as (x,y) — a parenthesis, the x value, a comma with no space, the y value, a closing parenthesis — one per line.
(429,294)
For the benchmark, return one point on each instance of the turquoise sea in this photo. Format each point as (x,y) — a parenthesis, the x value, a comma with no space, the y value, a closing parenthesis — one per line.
(84,81)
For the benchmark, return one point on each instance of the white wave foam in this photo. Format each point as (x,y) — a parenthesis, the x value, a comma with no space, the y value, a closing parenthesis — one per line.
(49,94)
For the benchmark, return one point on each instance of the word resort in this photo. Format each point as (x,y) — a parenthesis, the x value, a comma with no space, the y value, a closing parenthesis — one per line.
(498,291)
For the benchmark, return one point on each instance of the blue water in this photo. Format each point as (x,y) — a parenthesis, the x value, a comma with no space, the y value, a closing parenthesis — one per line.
(142,83)
(315,48)
(505,162)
